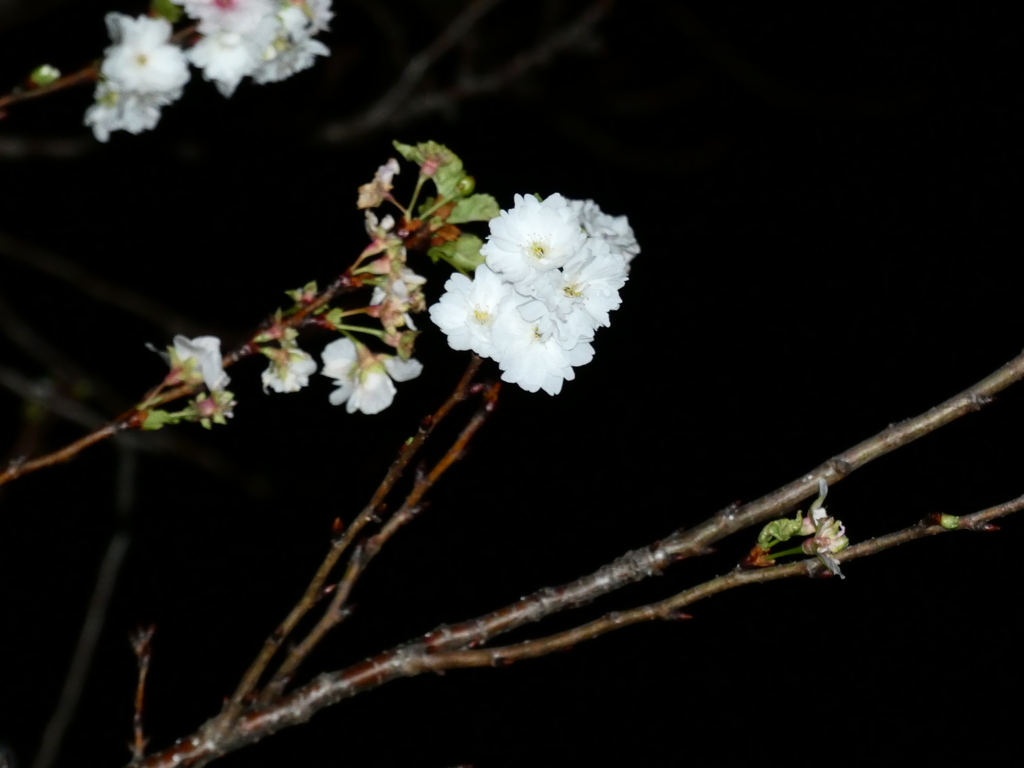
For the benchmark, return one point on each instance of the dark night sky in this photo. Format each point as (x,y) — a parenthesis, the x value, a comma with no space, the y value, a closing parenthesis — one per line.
(827,205)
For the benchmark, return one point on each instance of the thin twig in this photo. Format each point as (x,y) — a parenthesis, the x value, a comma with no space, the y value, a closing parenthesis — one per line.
(25,337)
(140,641)
(416,657)
(81,659)
(645,562)
(631,567)
(134,419)
(103,291)
(51,398)
(670,608)
(539,56)
(364,554)
(87,74)
(385,107)
(341,542)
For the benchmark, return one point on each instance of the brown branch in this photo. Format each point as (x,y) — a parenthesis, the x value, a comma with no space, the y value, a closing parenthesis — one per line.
(133,418)
(631,567)
(140,641)
(364,554)
(670,608)
(644,562)
(18,468)
(87,74)
(415,658)
(341,542)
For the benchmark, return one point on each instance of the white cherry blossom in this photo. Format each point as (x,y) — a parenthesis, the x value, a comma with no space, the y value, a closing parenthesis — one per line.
(292,49)
(614,230)
(468,308)
(364,380)
(203,355)
(132,112)
(532,361)
(289,370)
(546,287)
(142,59)
(239,16)
(226,58)
(532,237)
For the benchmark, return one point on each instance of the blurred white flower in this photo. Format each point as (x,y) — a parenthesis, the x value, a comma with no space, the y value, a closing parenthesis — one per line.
(364,380)
(205,351)
(143,59)
(132,112)
(239,16)
(225,58)
(292,49)
(195,360)
(289,369)
(142,72)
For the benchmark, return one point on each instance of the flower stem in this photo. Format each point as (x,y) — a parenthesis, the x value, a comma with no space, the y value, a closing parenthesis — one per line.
(361,329)
(410,211)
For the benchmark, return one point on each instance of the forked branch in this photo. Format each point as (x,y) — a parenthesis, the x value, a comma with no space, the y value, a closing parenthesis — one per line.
(343,539)
(457,646)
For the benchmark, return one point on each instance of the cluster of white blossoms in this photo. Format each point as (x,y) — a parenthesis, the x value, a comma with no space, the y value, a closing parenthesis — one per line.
(144,70)
(364,380)
(552,274)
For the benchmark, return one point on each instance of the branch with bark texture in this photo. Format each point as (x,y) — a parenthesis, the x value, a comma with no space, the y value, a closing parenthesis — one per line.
(456,646)
(344,538)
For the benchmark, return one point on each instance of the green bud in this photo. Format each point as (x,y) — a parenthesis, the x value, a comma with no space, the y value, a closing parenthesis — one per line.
(465,186)
(44,75)
(950,522)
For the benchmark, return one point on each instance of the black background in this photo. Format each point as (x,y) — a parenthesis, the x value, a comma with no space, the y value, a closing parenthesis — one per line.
(827,204)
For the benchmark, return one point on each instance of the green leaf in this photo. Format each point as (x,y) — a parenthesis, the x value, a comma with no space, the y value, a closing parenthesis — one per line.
(409,152)
(448,175)
(438,162)
(335,317)
(474,208)
(778,531)
(462,253)
(427,205)
(156,419)
(167,9)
